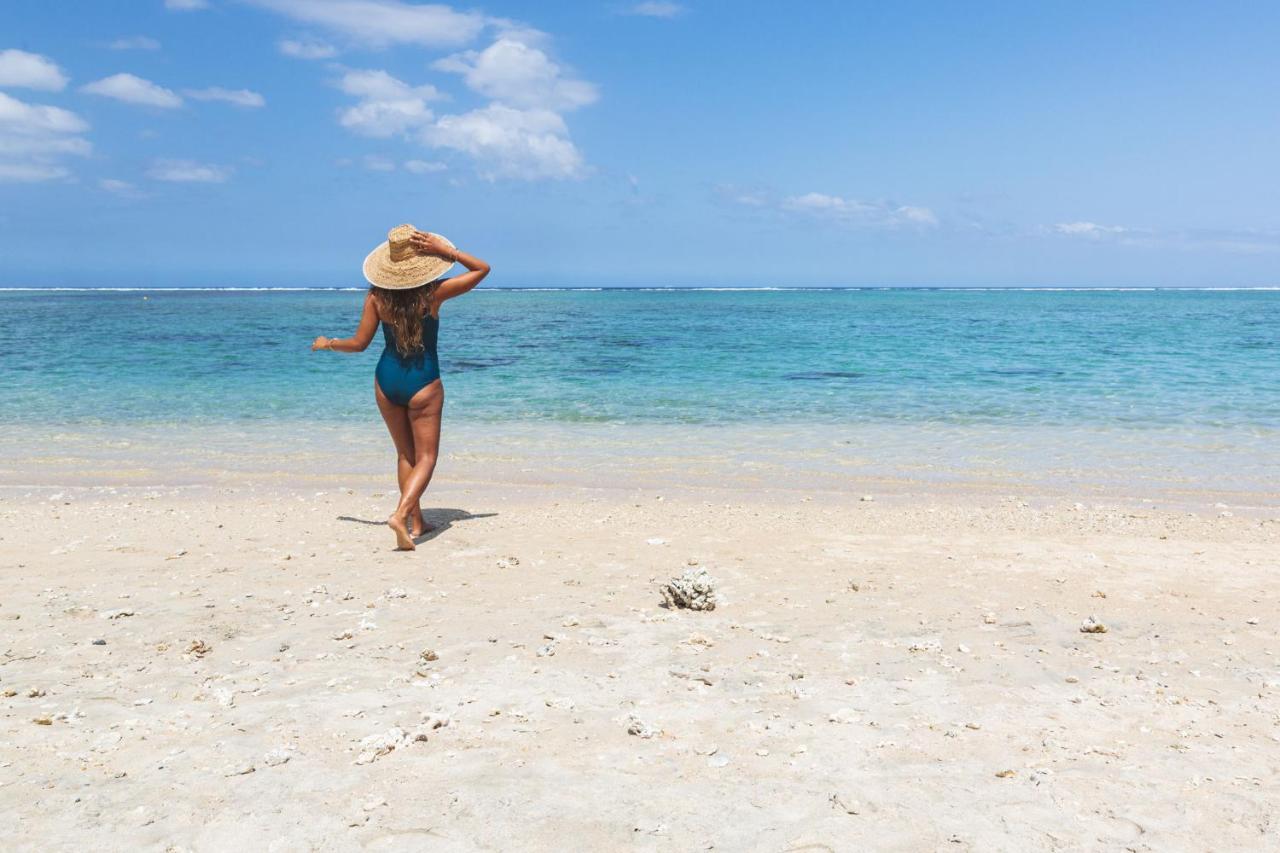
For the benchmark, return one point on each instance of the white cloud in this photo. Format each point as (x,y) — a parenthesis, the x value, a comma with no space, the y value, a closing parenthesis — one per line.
(1090,230)
(307,49)
(135,43)
(188,171)
(377,163)
(30,71)
(239,97)
(377,85)
(423,167)
(520,133)
(384,22)
(510,143)
(186,5)
(656,9)
(513,73)
(134,90)
(387,106)
(858,213)
(30,173)
(916,215)
(737,195)
(33,119)
(1243,241)
(34,139)
(124,189)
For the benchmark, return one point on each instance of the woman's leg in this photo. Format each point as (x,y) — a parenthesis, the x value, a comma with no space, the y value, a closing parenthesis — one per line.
(424,420)
(397,420)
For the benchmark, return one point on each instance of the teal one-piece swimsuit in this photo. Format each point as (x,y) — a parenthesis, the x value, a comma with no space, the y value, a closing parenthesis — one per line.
(399,376)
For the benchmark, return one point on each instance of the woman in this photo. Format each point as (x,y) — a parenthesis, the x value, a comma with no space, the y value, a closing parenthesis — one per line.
(405,298)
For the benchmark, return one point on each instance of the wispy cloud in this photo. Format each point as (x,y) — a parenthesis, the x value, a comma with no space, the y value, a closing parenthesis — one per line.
(378,163)
(186,5)
(124,189)
(134,90)
(655,9)
(424,167)
(35,139)
(239,97)
(1090,230)
(384,22)
(857,212)
(135,43)
(188,172)
(1246,241)
(307,49)
(387,106)
(30,71)
(838,210)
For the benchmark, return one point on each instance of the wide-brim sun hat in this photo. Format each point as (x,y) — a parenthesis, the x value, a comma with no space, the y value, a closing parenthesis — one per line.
(397,265)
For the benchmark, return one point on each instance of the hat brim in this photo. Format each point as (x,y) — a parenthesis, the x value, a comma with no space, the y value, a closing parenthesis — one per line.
(381,271)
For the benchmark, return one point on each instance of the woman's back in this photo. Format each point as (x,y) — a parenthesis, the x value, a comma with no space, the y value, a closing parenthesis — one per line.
(400,376)
(430,335)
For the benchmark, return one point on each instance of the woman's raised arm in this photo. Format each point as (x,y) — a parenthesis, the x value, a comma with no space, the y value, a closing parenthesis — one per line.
(429,244)
(358,342)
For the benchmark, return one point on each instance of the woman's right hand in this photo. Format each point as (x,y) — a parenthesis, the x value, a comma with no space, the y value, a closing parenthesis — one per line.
(320,343)
(431,244)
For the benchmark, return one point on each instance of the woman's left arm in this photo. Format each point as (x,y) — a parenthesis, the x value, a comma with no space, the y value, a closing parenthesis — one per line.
(429,244)
(359,342)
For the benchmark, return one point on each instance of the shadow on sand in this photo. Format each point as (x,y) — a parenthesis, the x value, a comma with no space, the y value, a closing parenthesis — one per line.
(439,520)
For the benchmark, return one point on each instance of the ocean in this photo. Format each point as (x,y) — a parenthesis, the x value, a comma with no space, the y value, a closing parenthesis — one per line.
(1193,375)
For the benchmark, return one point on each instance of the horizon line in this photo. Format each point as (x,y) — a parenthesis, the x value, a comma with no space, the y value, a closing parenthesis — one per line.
(651,288)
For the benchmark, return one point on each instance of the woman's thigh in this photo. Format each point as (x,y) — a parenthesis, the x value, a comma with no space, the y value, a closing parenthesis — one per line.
(397,420)
(425,410)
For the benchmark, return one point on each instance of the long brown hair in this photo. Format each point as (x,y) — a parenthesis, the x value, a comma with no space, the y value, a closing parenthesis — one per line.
(404,310)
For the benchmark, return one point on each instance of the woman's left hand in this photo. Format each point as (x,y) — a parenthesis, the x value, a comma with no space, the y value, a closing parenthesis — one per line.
(321,343)
(430,244)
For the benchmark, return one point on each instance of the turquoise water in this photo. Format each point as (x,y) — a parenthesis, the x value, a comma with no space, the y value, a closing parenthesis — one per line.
(1111,359)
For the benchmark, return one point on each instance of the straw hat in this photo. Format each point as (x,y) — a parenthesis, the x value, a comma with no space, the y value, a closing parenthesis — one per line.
(396,264)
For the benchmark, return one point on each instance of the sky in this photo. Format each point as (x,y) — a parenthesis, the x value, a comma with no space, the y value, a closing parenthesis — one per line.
(247,143)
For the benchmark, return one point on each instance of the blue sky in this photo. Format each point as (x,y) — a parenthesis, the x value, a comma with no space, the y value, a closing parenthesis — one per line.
(273,142)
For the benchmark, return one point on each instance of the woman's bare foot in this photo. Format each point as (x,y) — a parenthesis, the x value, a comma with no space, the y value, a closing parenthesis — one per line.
(404,541)
(418,525)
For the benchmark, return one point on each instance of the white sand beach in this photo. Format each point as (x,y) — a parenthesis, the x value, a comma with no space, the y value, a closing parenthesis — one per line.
(245,664)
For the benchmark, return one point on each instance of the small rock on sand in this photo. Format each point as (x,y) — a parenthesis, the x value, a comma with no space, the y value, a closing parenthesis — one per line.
(1092,626)
(276,757)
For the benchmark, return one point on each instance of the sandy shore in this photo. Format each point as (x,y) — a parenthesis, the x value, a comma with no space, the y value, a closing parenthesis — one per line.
(226,667)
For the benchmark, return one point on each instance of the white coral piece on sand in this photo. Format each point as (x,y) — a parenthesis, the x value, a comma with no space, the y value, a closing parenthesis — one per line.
(693,590)
(641,729)
(1092,626)
(374,747)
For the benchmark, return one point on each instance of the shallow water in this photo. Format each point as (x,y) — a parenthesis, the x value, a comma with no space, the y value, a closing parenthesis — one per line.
(1183,381)
(1124,359)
